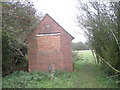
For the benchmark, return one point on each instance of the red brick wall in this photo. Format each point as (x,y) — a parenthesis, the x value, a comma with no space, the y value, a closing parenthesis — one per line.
(48,43)
(50,49)
(32,52)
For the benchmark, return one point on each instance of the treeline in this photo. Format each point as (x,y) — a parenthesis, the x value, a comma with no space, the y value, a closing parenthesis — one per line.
(101,23)
(80,46)
(18,20)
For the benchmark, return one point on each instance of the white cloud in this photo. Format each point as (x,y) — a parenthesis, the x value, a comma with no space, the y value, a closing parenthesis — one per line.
(64,12)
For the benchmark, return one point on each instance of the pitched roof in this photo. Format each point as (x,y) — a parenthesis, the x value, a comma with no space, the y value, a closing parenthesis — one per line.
(58,25)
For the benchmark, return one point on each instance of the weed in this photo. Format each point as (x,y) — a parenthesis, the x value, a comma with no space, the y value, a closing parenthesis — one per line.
(87,75)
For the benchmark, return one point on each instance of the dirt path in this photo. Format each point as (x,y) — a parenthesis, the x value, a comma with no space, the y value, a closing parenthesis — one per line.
(91,75)
(86,78)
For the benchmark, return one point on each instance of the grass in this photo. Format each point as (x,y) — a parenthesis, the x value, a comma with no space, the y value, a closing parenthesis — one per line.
(86,75)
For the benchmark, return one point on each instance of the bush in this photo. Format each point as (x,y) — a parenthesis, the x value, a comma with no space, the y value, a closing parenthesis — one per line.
(25,80)
(75,58)
(107,70)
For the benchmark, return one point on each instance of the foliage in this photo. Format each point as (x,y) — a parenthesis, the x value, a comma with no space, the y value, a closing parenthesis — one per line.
(75,57)
(101,24)
(88,75)
(80,46)
(18,20)
(26,79)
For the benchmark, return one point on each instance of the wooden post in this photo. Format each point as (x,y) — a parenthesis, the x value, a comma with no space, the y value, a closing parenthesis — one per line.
(52,72)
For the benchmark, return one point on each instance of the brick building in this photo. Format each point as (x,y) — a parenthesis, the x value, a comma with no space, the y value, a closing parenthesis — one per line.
(50,44)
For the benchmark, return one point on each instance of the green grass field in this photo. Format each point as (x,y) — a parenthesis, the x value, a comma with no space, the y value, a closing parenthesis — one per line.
(86,75)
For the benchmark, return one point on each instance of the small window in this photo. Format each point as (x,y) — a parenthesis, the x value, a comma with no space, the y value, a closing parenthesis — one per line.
(47,26)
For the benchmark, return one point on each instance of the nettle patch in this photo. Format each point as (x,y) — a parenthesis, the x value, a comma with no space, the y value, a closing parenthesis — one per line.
(26,79)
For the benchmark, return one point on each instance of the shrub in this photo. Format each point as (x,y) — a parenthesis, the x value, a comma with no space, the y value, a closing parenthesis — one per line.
(75,58)
(26,79)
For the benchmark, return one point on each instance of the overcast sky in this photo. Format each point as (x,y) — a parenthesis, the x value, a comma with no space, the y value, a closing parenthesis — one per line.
(65,13)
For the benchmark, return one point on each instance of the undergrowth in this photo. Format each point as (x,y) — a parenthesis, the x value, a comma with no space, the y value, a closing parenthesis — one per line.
(86,74)
(23,79)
